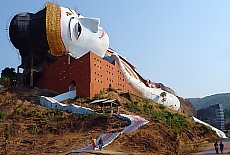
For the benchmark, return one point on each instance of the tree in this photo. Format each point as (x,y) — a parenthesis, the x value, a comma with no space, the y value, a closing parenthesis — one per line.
(163,95)
(9,72)
(8,76)
(5,81)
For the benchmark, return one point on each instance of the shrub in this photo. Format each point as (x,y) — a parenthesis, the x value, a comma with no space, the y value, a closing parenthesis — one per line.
(21,111)
(205,127)
(147,101)
(131,107)
(84,116)
(135,102)
(104,115)
(87,99)
(151,106)
(2,116)
(35,113)
(6,132)
(228,135)
(96,97)
(3,93)
(161,106)
(5,81)
(175,121)
(197,145)
(112,89)
(34,129)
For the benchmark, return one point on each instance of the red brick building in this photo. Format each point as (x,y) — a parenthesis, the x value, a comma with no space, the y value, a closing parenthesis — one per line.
(90,72)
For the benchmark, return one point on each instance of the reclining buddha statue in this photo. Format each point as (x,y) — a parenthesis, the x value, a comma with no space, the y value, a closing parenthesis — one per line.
(60,30)
(55,31)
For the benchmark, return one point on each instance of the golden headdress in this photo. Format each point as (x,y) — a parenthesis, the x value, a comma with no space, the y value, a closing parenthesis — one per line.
(53,29)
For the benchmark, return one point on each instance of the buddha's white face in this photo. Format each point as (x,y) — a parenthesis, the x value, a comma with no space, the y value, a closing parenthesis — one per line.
(81,34)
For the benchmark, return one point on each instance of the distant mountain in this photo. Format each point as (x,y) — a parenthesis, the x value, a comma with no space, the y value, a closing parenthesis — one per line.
(199,103)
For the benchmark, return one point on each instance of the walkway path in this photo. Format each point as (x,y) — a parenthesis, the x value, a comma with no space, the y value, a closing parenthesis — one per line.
(136,121)
(210,148)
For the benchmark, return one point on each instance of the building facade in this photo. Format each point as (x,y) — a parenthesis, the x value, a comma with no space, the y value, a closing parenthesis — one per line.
(213,115)
(90,72)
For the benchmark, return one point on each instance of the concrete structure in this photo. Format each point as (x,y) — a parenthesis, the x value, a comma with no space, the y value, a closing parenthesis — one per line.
(90,72)
(220,133)
(213,115)
(55,103)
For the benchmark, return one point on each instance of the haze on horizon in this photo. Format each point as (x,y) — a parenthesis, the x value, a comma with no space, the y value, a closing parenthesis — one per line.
(182,44)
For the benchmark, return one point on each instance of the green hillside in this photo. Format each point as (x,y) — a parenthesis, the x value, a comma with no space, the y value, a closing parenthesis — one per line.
(223,98)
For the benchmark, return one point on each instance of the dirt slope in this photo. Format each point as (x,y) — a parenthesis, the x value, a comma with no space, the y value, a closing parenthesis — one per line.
(34,129)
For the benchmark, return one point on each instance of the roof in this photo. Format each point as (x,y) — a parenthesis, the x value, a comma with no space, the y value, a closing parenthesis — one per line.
(98,101)
(107,102)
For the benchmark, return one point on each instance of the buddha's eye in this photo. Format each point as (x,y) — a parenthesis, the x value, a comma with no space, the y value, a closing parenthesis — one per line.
(75,29)
(79,30)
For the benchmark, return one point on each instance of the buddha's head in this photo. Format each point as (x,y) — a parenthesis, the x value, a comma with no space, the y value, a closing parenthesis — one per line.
(69,32)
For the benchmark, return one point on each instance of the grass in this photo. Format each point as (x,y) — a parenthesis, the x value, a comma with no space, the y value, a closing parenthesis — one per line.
(34,129)
(197,145)
(2,116)
(112,89)
(174,121)
(205,127)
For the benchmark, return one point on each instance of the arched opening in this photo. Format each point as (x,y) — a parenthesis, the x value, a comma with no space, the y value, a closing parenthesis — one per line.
(72,85)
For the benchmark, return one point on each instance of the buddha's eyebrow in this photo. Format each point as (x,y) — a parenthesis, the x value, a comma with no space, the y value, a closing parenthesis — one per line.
(69,13)
(71,10)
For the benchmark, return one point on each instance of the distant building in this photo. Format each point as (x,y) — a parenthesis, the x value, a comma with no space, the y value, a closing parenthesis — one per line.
(213,115)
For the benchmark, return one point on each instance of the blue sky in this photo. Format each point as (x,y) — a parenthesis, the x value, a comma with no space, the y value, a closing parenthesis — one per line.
(182,44)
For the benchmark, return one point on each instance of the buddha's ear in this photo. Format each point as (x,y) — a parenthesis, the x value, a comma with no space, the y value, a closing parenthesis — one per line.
(90,23)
